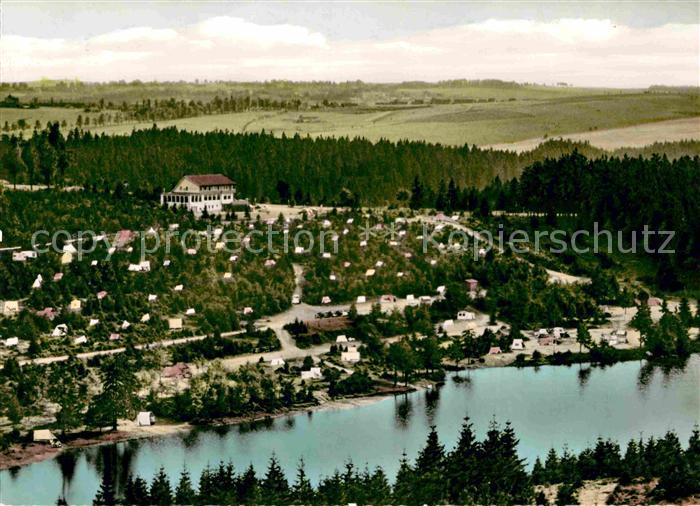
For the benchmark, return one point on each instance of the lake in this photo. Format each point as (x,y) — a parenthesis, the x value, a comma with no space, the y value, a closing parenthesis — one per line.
(548,407)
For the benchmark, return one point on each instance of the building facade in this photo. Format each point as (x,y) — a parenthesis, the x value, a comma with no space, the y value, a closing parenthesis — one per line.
(210,192)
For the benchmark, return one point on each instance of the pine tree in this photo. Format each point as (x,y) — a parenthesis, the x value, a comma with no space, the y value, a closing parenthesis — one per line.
(583,336)
(417,194)
(514,483)
(566,495)
(538,473)
(106,495)
(160,492)
(642,322)
(275,489)
(184,493)
(684,313)
(248,487)
(302,491)
(430,468)
(432,456)
(378,488)
(404,483)
(462,466)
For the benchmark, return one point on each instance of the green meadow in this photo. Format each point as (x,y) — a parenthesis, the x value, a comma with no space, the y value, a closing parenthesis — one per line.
(481,113)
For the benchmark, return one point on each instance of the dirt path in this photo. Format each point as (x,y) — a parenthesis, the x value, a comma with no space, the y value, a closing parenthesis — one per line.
(554,276)
(90,354)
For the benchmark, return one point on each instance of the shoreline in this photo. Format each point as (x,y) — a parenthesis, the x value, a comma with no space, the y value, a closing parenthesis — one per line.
(22,455)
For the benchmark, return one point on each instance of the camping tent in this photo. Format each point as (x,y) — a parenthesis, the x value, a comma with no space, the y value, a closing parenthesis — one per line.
(145,419)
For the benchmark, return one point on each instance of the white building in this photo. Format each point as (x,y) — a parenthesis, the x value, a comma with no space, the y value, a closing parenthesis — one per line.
(200,192)
(313,373)
(9,307)
(174,323)
(465,315)
(350,356)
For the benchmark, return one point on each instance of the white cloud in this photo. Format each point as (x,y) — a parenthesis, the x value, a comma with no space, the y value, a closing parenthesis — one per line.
(135,35)
(595,52)
(237,30)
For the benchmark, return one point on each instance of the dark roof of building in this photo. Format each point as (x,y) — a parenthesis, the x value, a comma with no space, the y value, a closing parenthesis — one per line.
(209,179)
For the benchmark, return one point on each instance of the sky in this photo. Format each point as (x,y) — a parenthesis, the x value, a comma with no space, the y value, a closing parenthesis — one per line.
(612,44)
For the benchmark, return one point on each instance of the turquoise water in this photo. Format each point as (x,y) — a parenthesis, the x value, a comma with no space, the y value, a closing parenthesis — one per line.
(548,407)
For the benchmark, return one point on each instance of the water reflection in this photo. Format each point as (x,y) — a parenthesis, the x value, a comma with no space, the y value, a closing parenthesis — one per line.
(538,403)
(266,423)
(221,430)
(432,402)
(669,370)
(190,439)
(462,381)
(584,374)
(67,462)
(404,410)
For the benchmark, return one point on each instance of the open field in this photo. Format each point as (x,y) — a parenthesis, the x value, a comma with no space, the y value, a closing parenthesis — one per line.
(456,124)
(357,92)
(43,115)
(484,114)
(614,138)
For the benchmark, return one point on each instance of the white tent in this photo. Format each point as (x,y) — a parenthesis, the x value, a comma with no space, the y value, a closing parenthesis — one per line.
(60,330)
(174,323)
(145,419)
(9,307)
(43,436)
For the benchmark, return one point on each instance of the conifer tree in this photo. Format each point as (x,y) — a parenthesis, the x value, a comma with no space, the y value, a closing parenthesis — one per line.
(106,495)
(160,492)
(184,493)
(302,490)
(275,489)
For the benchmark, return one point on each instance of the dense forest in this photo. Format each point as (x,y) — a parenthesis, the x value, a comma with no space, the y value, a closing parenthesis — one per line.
(487,471)
(290,169)
(623,195)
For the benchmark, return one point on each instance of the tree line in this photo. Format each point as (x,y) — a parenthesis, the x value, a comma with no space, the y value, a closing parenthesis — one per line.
(486,471)
(296,169)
